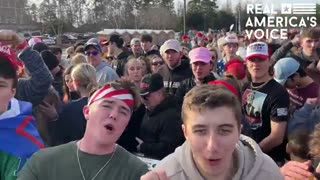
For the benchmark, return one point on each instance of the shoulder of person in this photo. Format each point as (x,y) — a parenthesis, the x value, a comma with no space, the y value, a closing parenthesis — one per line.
(130,159)
(172,167)
(269,170)
(277,88)
(51,153)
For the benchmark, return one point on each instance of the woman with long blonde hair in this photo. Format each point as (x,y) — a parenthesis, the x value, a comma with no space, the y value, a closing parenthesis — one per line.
(71,123)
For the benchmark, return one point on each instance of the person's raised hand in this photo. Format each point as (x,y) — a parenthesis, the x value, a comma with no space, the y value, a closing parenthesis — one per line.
(293,170)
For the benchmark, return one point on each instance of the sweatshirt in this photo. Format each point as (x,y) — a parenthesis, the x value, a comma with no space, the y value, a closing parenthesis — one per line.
(36,88)
(253,164)
(19,138)
(105,74)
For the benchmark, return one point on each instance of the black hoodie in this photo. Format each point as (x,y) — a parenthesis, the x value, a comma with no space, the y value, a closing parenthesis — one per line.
(119,63)
(188,84)
(161,130)
(172,78)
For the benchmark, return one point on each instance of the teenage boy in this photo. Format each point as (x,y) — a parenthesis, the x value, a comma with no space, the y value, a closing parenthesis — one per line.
(96,155)
(19,136)
(214,148)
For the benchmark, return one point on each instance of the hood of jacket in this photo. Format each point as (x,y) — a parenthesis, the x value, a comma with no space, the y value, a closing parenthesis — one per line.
(251,162)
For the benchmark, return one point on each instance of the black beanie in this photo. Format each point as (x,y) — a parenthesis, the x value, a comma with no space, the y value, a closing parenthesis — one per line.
(40,46)
(49,59)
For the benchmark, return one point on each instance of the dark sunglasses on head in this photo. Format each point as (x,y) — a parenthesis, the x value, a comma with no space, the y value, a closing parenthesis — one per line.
(157,63)
(91,53)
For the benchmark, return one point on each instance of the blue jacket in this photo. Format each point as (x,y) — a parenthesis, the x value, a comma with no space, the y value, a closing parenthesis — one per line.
(306,117)
(19,138)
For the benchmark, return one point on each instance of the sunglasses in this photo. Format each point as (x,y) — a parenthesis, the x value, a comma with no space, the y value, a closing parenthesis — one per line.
(91,53)
(157,63)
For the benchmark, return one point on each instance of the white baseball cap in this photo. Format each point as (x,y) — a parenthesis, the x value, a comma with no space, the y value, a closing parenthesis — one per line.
(258,50)
(170,44)
(284,68)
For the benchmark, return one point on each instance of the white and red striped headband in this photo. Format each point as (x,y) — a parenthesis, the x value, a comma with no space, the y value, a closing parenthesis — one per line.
(107,91)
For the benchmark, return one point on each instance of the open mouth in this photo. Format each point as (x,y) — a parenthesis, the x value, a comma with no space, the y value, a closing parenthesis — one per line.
(214,161)
(109,127)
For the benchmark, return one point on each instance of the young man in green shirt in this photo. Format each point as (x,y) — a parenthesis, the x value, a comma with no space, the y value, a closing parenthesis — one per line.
(96,156)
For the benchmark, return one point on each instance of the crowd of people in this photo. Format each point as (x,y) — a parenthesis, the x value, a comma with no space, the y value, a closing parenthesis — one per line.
(212,106)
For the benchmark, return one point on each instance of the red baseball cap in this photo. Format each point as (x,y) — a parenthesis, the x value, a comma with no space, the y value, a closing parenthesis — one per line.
(237,68)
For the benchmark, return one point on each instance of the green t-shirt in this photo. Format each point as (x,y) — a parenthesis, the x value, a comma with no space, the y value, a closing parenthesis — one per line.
(60,163)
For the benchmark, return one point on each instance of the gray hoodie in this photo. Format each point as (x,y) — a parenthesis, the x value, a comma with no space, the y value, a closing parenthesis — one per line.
(252,162)
(105,74)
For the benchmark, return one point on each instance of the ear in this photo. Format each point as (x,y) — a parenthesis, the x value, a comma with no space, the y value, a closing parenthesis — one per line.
(86,112)
(13,92)
(185,133)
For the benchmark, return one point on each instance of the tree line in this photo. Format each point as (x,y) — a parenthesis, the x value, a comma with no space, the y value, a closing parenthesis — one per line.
(57,16)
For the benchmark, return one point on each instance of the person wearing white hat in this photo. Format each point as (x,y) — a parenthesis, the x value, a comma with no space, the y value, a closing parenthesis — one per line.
(229,46)
(265,103)
(175,69)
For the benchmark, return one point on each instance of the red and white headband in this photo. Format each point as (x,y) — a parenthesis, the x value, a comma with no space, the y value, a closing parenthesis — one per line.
(107,91)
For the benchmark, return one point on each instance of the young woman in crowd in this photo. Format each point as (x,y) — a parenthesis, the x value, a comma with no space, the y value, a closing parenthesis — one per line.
(133,72)
(71,123)
(145,62)
(69,92)
(156,63)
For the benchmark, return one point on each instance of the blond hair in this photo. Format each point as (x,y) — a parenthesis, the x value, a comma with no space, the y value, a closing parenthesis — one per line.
(126,66)
(78,59)
(85,76)
(210,97)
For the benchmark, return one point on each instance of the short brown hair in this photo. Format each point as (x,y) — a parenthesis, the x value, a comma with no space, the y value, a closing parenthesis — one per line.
(210,97)
(314,143)
(310,33)
(146,38)
(298,143)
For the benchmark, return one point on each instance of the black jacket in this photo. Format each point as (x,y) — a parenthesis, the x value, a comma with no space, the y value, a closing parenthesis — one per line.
(71,123)
(127,139)
(161,130)
(152,52)
(173,78)
(188,84)
(119,63)
(285,51)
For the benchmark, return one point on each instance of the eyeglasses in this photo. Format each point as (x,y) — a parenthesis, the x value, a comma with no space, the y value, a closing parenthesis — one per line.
(157,63)
(91,53)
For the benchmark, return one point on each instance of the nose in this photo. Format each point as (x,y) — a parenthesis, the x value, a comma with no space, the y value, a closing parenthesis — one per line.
(197,67)
(114,113)
(212,144)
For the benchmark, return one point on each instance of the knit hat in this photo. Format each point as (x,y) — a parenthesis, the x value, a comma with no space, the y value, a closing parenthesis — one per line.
(49,59)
